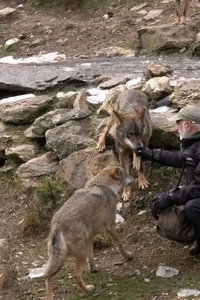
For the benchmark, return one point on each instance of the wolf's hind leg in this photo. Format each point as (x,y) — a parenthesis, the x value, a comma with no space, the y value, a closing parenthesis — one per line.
(178,11)
(142,182)
(49,289)
(185,12)
(114,236)
(81,261)
(92,267)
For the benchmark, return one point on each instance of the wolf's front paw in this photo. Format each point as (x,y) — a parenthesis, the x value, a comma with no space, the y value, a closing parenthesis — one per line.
(183,20)
(90,287)
(143,184)
(126,193)
(101,146)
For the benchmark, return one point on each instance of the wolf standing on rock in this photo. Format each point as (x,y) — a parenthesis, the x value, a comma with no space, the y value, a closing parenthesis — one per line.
(78,220)
(130,127)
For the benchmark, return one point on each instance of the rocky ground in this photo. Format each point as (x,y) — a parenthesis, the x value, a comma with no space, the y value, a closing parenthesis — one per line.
(83,32)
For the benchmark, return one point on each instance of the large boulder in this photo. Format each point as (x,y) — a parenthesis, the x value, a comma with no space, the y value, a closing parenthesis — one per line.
(52,119)
(162,37)
(21,153)
(77,168)
(186,92)
(164,133)
(25,110)
(109,102)
(157,70)
(67,138)
(30,172)
(31,78)
(157,87)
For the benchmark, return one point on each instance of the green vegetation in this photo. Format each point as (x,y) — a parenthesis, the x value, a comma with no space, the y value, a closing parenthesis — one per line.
(42,203)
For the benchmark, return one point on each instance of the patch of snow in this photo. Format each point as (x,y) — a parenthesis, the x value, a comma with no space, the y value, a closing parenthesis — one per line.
(39,59)
(96,95)
(16,98)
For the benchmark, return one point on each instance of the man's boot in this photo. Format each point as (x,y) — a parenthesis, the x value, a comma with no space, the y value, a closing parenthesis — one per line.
(195,249)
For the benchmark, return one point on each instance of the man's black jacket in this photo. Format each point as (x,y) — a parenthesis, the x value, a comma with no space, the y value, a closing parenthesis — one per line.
(190,154)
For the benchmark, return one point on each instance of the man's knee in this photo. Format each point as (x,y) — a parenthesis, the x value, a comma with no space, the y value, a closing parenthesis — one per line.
(191,207)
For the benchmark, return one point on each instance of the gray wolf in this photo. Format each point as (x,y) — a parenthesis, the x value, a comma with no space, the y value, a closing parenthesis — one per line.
(77,221)
(179,19)
(130,127)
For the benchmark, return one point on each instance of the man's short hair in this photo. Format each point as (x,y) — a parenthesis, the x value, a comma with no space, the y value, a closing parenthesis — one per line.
(188,113)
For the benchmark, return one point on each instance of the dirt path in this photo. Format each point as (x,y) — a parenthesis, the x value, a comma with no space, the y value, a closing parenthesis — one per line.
(77,33)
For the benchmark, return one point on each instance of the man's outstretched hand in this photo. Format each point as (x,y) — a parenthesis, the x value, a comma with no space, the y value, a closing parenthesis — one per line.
(145,153)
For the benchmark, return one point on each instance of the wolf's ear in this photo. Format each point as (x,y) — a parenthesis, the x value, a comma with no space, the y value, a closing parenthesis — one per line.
(118,116)
(116,173)
(95,171)
(140,112)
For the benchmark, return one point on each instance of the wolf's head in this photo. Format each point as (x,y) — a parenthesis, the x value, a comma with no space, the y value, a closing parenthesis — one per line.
(113,177)
(130,128)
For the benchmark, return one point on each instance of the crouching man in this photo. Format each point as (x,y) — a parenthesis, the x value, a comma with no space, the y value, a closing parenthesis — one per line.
(188,126)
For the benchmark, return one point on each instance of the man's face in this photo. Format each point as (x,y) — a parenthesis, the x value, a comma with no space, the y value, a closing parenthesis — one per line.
(183,128)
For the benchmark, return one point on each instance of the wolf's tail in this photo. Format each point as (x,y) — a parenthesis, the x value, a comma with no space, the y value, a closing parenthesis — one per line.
(57,250)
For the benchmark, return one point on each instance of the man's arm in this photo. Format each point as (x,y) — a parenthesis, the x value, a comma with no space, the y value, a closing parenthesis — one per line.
(168,158)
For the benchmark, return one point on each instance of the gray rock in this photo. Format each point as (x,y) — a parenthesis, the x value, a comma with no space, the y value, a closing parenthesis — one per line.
(186,92)
(113,83)
(152,14)
(77,168)
(155,70)
(28,78)
(67,138)
(111,97)
(157,87)
(162,37)
(54,118)
(115,51)
(164,133)
(31,171)
(24,111)
(23,152)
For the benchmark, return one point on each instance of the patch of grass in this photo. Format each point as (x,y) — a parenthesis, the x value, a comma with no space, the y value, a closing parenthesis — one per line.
(131,45)
(42,203)
(9,51)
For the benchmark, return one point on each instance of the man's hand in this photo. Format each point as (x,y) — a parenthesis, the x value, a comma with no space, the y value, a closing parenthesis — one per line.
(145,153)
(162,201)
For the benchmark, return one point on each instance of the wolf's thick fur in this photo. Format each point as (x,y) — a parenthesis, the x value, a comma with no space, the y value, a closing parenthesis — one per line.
(130,126)
(181,19)
(75,224)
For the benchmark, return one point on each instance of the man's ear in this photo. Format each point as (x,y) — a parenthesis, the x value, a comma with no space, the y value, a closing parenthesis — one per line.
(95,171)
(116,173)
(118,117)
(140,112)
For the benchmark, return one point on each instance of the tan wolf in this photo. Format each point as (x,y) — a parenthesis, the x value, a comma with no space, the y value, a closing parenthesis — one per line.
(130,127)
(77,221)
(179,19)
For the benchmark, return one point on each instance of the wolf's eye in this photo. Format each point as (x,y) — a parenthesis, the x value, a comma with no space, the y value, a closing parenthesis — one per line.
(130,134)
